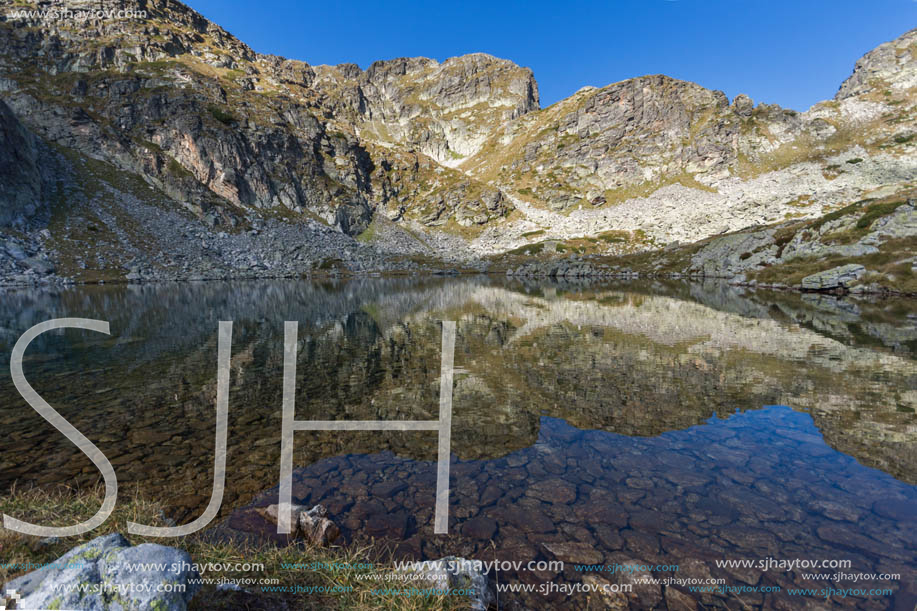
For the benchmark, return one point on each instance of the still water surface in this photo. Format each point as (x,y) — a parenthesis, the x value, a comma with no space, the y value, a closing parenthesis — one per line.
(657,424)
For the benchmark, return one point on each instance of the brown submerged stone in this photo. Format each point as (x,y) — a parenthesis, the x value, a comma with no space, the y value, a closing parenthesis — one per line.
(575,552)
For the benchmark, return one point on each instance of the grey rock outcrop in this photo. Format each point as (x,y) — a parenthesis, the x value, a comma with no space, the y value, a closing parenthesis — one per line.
(353,217)
(838,277)
(731,254)
(109,573)
(456,573)
(890,65)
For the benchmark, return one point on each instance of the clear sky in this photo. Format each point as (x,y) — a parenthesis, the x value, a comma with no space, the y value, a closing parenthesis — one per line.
(793,53)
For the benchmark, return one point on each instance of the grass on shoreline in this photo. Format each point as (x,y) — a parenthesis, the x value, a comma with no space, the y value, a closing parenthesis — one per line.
(63,506)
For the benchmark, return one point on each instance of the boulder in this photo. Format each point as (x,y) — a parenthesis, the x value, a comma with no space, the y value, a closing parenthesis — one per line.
(492,199)
(743,105)
(39,265)
(104,574)
(311,524)
(455,573)
(837,277)
(353,218)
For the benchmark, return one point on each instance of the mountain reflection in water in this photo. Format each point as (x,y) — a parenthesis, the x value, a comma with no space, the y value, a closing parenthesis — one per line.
(585,420)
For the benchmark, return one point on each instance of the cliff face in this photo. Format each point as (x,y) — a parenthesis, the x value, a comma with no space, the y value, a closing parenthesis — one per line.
(169,98)
(456,157)
(21,182)
(445,111)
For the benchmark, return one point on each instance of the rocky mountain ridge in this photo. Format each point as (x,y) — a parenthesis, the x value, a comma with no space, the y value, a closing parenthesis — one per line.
(422,161)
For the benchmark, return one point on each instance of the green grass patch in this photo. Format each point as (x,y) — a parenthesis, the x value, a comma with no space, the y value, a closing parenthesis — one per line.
(221,115)
(877,211)
(835,215)
(369,234)
(614,237)
(176,169)
(329,264)
(890,267)
(527,250)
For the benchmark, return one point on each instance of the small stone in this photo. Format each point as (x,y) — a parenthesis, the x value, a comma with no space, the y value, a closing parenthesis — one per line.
(394,525)
(896,509)
(491,493)
(676,600)
(527,519)
(836,511)
(616,601)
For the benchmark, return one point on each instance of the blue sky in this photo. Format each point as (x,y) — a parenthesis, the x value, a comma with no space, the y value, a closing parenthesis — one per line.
(793,53)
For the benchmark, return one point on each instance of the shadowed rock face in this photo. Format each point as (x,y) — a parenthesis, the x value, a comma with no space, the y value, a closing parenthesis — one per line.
(179,101)
(171,122)
(21,183)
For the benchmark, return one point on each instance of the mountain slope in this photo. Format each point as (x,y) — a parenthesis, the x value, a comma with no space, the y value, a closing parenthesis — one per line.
(673,161)
(451,160)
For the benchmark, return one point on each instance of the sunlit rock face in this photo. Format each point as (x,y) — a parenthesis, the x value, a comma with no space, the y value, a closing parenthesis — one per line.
(445,110)
(889,65)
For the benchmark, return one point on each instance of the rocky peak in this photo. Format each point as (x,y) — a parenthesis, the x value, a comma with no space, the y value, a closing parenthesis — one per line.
(892,65)
(445,110)
(636,131)
(743,105)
